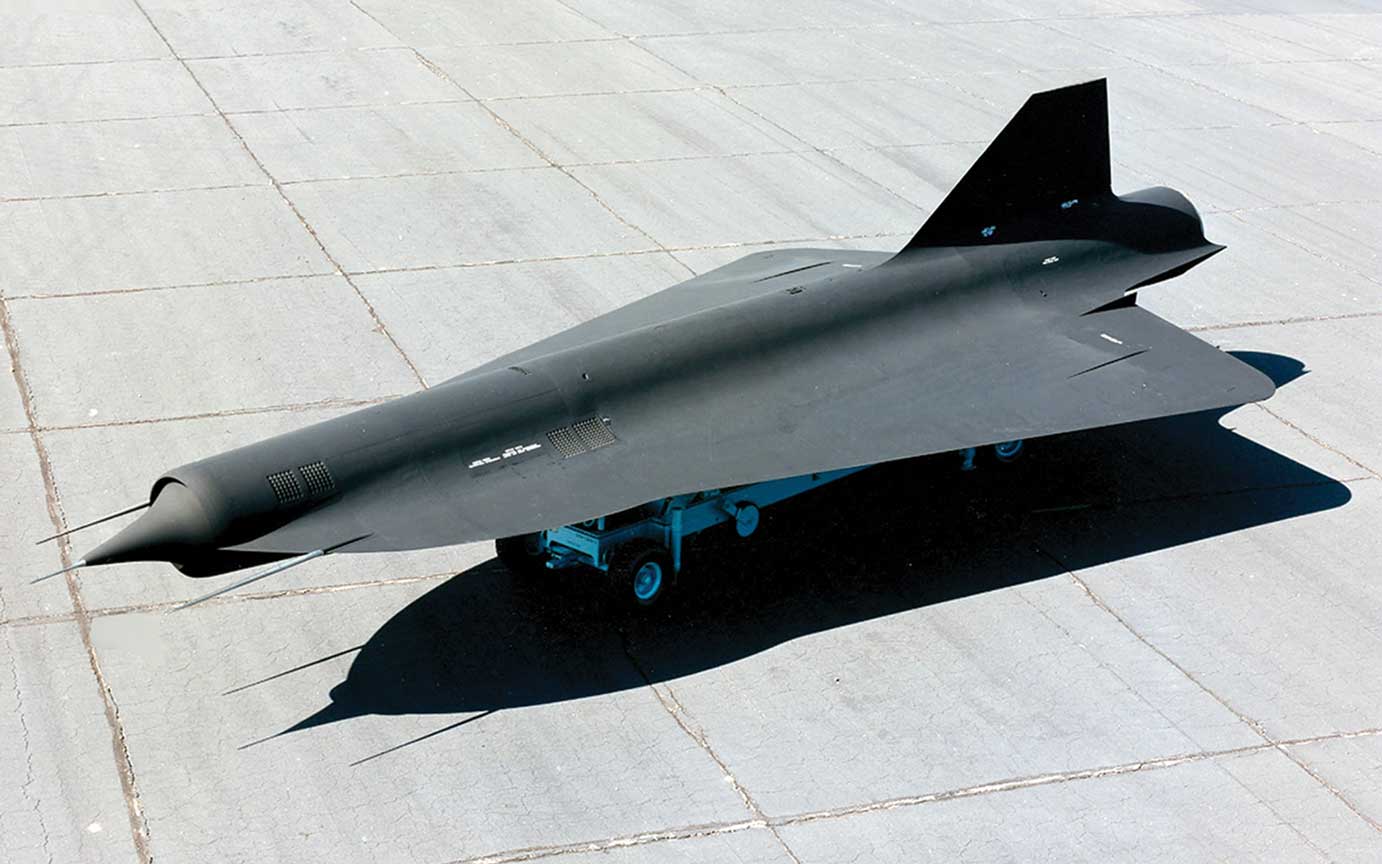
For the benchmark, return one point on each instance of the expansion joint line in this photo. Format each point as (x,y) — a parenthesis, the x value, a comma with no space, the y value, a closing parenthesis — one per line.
(668,699)
(1269,741)
(379,325)
(139,829)
(994,787)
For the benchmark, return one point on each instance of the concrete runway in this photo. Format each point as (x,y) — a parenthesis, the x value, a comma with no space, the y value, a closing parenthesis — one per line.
(220,221)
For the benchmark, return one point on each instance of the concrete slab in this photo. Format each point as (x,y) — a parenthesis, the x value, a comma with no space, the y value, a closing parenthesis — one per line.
(1351,766)
(717,16)
(1140,98)
(893,709)
(960,51)
(62,800)
(132,356)
(213,28)
(385,140)
(1227,169)
(1258,807)
(613,764)
(1338,354)
(1338,233)
(875,113)
(46,32)
(1185,40)
(642,126)
(450,219)
(1260,277)
(11,407)
(321,80)
(554,69)
(1366,134)
(472,22)
(453,319)
(90,486)
(122,156)
(102,91)
(1358,23)
(1334,36)
(1276,619)
(1330,90)
(773,57)
(921,174)
(25,506)
(1042,9)
(152,240)
(732,200)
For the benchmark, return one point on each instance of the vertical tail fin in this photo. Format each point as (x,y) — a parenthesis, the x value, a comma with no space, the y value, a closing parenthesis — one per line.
(1055,149)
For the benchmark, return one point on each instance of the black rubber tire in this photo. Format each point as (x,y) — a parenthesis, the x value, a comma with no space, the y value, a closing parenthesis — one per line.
(625,565)
(520,555)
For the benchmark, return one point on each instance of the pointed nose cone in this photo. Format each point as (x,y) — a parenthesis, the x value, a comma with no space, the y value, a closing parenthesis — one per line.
(174,525)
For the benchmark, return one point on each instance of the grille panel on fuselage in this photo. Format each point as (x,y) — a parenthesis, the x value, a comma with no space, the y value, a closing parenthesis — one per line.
(581,437)
(287,488)
(318,478)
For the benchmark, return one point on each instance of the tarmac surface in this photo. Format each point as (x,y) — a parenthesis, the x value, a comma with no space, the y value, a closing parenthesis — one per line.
(219,221)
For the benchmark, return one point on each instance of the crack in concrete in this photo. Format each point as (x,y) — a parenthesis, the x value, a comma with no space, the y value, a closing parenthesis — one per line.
(138,825)
(29,777)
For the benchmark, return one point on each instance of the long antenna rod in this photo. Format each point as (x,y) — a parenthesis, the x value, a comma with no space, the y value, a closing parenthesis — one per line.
(316,553)
(127,511)
(81,563)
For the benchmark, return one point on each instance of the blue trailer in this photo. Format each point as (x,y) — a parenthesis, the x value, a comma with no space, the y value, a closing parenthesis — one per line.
(641,549)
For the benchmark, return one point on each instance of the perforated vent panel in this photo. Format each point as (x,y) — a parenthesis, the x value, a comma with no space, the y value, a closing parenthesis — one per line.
(318,478)
(286,487)
(594,433)
(567,442)
(582,437)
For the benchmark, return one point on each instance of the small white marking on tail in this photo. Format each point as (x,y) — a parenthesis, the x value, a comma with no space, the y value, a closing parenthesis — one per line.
(852,266)
(1053,259)
(1111,339)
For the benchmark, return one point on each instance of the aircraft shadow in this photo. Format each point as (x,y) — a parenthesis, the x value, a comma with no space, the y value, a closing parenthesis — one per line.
(894,538)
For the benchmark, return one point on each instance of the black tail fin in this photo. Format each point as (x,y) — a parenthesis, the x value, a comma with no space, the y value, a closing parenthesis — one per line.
(1053,151)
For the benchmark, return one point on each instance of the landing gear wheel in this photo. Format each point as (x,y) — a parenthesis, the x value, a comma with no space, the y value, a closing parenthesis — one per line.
(1009,451)
(641,571)
(746,520)
(521,555)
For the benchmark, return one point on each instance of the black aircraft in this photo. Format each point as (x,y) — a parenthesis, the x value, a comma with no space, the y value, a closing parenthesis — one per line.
(1012,314)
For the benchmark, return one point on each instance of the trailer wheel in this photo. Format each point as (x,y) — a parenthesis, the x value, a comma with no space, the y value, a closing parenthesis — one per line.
(1009,451)
(521,555)
(642,570)
(746,519)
